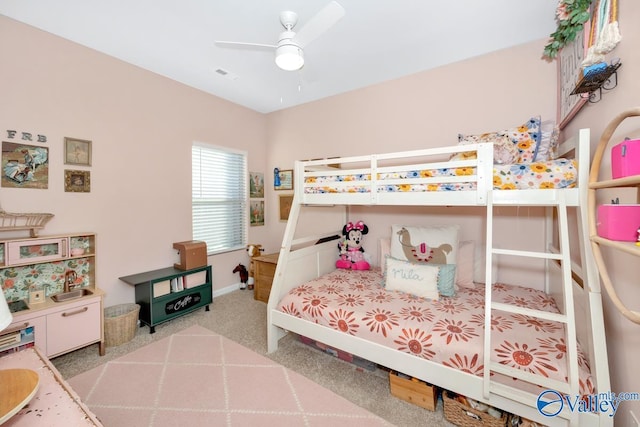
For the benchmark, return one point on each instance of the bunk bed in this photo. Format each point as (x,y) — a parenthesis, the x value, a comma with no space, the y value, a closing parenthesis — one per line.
(461,175)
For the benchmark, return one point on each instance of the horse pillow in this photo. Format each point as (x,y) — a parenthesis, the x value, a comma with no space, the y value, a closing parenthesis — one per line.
(425,245)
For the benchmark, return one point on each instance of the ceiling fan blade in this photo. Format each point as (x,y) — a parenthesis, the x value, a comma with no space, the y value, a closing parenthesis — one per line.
(242,45)
(321,22)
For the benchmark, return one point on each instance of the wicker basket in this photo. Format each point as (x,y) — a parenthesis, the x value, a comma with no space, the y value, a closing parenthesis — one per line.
(465,416)
(120,323)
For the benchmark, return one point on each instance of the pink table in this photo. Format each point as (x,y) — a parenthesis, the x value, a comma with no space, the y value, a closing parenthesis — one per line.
(55,403)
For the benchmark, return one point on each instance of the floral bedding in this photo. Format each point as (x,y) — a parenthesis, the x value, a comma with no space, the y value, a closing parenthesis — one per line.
(448,331)
(559,173)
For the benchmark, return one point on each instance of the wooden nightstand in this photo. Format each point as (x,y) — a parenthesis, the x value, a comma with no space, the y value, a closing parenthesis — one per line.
(264,268)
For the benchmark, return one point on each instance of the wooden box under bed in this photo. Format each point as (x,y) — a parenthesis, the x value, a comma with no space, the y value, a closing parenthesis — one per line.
(416,392)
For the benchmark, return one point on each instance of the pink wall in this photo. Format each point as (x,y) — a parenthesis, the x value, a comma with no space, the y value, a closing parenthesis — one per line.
(142,126)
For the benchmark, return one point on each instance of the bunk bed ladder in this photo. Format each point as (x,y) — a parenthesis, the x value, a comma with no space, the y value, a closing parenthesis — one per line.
(566,316)
(273,332)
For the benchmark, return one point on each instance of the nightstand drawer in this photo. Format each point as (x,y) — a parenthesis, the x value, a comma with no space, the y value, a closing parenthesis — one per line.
(264,270)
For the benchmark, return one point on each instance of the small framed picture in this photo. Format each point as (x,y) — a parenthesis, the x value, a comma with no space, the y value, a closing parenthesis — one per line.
(286,200)
(25,166)
(77,152)
(256,185)
(77,181)
(256,216)
(285,179)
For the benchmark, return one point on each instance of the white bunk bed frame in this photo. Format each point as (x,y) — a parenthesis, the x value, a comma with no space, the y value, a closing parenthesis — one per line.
(575,287)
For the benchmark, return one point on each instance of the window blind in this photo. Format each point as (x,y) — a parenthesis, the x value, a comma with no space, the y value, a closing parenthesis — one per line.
(219,197)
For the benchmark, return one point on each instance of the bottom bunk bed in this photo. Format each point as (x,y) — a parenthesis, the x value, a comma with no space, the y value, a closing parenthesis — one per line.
(532,333)
(440,342)
(448,331)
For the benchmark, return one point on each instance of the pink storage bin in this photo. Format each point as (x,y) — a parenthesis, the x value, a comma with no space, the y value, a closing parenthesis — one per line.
(618,222)
(625,159)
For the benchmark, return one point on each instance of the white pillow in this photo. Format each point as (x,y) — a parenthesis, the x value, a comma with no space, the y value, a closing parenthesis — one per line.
(548,146)
(416,279)
(480,265)
(466,264)
(435,244)
(384,250)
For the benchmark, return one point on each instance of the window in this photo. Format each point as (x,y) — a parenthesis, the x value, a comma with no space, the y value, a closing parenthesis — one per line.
(219,197)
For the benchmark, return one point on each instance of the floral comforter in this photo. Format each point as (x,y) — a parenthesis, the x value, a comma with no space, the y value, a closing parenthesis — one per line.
(448,331)
(559,173)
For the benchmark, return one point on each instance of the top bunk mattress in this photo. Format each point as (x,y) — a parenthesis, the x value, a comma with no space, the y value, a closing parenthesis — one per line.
(448,331)
(552,174)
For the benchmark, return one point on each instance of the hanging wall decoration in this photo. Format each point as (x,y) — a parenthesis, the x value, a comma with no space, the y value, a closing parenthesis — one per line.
(77,181)
(604,33)
(571,17)
(256,185)
(569,72)
(283,179)
(25,166)
(77,152)
(286,200)
(256,214)
(25,136)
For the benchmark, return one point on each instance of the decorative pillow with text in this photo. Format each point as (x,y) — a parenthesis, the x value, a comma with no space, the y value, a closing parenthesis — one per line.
(415,279)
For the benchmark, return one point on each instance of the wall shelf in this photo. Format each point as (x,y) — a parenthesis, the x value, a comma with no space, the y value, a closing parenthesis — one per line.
(590,86)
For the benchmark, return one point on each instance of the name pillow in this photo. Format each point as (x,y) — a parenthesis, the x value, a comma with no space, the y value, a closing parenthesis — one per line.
(427,281)
(425,245)
(414,279)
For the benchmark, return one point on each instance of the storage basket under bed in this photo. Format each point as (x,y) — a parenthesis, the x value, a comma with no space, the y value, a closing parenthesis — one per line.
(465,416)
(120,323)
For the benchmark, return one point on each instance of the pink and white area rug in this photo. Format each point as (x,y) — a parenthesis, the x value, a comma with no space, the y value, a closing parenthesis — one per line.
(199,378)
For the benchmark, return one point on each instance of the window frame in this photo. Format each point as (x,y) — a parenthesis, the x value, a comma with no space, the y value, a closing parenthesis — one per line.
(242,203)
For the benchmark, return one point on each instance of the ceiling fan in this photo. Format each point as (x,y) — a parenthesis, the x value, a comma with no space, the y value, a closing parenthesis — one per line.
(289,50)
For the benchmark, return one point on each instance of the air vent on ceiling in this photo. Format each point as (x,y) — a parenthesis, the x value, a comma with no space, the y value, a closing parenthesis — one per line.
(226,74)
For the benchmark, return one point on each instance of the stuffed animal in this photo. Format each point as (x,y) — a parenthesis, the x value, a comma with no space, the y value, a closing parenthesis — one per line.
(351,252)
(244,275)
(253,251)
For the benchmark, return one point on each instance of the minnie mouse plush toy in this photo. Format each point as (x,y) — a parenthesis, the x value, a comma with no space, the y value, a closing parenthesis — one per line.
(351,252)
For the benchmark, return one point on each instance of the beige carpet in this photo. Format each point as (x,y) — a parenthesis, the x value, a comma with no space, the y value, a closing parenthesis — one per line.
(199,378)
(240,318)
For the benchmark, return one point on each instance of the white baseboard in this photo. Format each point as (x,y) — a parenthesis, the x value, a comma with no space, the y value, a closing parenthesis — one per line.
(226,290)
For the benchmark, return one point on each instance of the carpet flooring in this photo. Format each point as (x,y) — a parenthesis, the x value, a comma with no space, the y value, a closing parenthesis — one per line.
(199,378)
(242,319)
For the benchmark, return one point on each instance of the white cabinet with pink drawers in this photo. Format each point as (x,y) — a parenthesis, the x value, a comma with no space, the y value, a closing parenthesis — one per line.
(65,326)
(35,271)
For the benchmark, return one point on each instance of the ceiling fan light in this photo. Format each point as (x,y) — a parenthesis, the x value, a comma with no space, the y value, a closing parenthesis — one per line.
(289,57)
